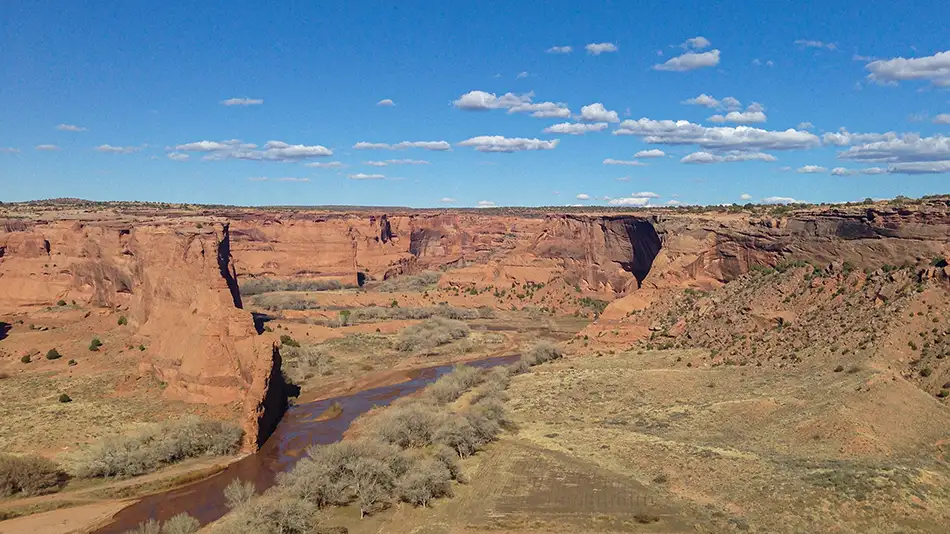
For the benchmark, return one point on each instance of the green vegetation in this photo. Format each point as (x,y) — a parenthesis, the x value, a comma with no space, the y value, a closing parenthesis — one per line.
(29,475)
(155,446)
(431,333)
(60,302)
(53,354)
(95,344)
(64,398)
(595,304)
(287,341)
(123,320)
(25,358)
(410,283)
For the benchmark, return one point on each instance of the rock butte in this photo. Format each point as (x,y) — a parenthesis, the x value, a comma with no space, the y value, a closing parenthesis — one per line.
(175,274)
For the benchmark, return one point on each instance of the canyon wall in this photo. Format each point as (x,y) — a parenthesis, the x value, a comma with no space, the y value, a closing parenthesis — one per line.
(176,286)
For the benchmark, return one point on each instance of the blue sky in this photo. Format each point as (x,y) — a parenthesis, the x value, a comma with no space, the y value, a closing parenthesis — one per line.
(128,101)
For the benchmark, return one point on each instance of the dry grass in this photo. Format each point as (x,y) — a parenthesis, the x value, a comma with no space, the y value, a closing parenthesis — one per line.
(431,333)
(257,286)
(418,282)
(156,446)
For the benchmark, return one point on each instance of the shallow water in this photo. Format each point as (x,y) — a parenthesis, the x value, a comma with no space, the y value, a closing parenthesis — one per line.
(299,428)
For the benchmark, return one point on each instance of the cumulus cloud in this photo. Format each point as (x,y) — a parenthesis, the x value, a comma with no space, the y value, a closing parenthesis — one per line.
(874,170)
(523,74)
(243,102)
(486,204)
(70,128)
(943,118)
(696,43)
(805,126)
(652,153)
(481,100)
(744,138)
(702,158)
(559,50)
(596,112)
(907,148)
(703,100)
(543,110)
(46,148)
(629,201)
(326,165)
(690,61)
(272,150)
(645,194)
(447,200)
(920,167)
(109,149)
(740,117)
(498,143)
(841,171)
(809,43)
(935,69)
(779,200)
(386,103)
(437,146)
(573,128)
(583,196)
(844,138)
(177,156)
(745,196)
(631,163)
(396,162)
(364,176)
(596,49)
(811,169)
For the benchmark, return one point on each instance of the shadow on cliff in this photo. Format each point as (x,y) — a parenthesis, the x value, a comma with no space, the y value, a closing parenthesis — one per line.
(646,245)
(4,329)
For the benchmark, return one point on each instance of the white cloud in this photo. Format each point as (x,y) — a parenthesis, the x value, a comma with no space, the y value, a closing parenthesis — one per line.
(632,163)
(874,170)
(480,100)
(935,68)
(596,112)
(652,153)
(177,156)
(109,149)
(523,74)
(906,149)
(841,171)
(844,138)
(690,61)
(807,43)
(622,179)
(700,158)
(575,128)
(645,194)
(498,143)
(326,165)
(755,107)
(47,148)
(396,162)
(596,49)
(740,117)
(920,167)
(272,150)
(486,204)
(805,126)
(703,100)
(779,200)
(437,146)
(9,150)
(943,118)
(447,200)
(559,50)
(243,102)
(629,201)
(731,103)
(543,110)
(811,169)
(696,43)
(745,196)
(583,196)
(70,128)
(716,138)
(257,178)
(386,103)
(364,176)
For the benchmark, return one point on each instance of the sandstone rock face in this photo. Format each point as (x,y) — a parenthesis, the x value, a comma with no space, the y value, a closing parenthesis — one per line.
(177,287)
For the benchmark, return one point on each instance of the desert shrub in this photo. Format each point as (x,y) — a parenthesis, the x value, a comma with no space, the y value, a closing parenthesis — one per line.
(29,475)
(285,302)
(428,479)
(418,282)
(344,317)
(53,354)
(181,524)
(95,344)
(122,320)
(459,435)
(60,302)
(155,446)
(287,341)
(926,371)
(304,362)
(380,313)
(274,513)
(71,363)
(257,286)
(25,358)
(448,458)
(64,398)
(543,351)
(238,493)
(408,424)
(451,386)
(430,334)
(146,527)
